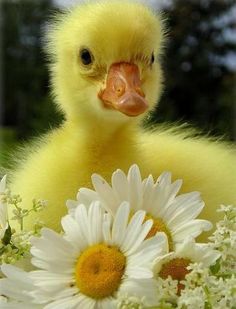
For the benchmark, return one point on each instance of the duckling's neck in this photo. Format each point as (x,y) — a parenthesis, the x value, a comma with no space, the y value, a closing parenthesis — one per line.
(102,144)
(102,132)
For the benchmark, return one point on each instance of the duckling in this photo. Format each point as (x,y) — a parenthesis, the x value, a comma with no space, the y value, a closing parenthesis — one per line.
(106,76)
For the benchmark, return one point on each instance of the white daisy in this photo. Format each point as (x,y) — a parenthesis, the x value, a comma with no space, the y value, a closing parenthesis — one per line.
(174,215)
(15,289)
(175,264)
(3,209)
(95,259)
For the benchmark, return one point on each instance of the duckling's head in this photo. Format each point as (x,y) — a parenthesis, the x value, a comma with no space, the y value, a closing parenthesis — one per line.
(105,61)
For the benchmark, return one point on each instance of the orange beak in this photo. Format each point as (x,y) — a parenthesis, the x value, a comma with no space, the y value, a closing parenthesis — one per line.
(123,90)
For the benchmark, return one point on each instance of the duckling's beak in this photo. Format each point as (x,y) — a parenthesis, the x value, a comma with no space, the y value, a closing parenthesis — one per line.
(123,90)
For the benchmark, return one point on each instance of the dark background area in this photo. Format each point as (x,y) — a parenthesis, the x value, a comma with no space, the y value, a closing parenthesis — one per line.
(199,65)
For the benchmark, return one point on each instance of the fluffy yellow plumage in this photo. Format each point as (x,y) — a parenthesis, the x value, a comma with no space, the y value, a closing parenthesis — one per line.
(100,137)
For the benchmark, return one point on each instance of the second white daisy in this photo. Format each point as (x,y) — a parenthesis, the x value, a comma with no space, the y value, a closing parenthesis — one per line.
(171,214)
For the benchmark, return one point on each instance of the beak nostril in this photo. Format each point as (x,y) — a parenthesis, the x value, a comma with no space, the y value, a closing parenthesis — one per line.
(120,91)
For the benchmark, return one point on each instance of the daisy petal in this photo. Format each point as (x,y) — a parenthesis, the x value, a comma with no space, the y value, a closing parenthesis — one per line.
(66,303)
(151,248)
(95,223)
(73,233)
(182,216)
(120,185)
(133,230)
(140,238)
(120,224)
(135,187)
(105,192)
(147,287)
(87,196)
(139,272)
(193,228)
(106,229)
(81,216)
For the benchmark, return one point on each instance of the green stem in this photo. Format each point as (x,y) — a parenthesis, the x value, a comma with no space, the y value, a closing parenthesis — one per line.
(21,219)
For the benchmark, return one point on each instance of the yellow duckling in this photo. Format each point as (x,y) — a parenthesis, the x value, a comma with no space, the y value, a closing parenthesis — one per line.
(105,78)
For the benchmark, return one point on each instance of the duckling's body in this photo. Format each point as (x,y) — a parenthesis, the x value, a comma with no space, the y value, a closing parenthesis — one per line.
(102,129)
(67,158)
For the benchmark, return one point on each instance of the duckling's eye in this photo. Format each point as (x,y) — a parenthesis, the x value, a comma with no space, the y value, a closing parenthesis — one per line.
(86,56)
(152,58)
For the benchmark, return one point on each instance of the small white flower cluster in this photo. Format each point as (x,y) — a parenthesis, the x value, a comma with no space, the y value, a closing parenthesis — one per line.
(205,290)
(224,239)
(167,291)
(15,245)
(130,302)
(208,287)
(130,245)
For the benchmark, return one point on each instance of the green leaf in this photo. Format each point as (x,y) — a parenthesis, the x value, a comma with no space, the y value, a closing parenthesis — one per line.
(216,267)
(7,236)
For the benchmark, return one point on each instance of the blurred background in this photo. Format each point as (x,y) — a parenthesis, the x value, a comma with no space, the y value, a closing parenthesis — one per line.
(199,65)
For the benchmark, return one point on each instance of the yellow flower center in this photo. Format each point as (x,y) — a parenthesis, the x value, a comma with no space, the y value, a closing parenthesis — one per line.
(159,226)
(177,269)
(99,271)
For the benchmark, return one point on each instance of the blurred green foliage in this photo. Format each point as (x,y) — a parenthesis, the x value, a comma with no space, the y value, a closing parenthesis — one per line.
(200,84)
(8,142)
(200,87)
(27,104)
